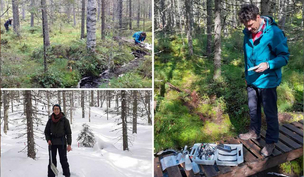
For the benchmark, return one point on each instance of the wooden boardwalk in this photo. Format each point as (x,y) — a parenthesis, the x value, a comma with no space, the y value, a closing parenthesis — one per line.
(289,147)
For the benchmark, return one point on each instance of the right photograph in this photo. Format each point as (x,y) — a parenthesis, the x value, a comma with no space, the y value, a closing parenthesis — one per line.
(228,88)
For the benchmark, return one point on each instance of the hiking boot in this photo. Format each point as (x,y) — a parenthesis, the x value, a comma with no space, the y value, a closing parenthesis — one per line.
(250,135)
(267,150)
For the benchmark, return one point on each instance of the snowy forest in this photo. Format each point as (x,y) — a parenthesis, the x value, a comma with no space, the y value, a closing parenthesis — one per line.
(117,126)
(69,43)
(200,85)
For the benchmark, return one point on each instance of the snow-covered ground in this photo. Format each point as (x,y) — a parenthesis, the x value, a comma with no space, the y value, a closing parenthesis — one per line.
(106,159)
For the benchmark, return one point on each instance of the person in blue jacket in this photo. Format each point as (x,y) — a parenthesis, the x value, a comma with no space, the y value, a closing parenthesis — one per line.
(7,24)
(139,37)
(265,53)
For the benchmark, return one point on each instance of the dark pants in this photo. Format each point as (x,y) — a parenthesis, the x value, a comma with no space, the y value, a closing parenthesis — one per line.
(63,160)
(6,27)
(268,99)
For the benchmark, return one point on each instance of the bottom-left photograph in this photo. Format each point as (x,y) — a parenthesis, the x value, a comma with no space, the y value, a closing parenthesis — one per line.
(76,133)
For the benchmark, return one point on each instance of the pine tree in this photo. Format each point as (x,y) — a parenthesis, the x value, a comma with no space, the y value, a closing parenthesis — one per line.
(86,137)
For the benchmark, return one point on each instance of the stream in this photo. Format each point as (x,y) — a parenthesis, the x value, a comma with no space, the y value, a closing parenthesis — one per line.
(106,75)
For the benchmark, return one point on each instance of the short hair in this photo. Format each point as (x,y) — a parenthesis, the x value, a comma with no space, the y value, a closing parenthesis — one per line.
(144,34)
(248,12)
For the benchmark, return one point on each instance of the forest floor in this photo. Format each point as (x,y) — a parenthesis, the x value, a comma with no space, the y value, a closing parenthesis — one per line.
(67,58)
(192,108)
(106,158)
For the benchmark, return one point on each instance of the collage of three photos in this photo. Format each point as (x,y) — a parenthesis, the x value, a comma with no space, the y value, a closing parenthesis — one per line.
(141,88)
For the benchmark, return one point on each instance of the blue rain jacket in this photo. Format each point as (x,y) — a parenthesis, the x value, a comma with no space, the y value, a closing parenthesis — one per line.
(137,37)
(270,47)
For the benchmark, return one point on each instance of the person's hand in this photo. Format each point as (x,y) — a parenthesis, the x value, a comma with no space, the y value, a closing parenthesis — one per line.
(262,67)
(49,142)
(69,148)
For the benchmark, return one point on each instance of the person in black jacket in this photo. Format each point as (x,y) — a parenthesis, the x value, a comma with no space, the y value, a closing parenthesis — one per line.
(58,136)
(7,24)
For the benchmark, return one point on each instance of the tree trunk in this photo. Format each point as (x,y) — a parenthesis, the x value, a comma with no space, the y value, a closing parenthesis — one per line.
(144,18)
(32,12)
(23,10)
(16,24)
(90,113)
(114,12)
(64,102)
(124,120)
(98,9)
(82,19)
(12,100)
(189,20)
(209,27)
(180,20)
(5,107)
(71,107)
(59,97)
(138,13)
(117,104)
(91,25)
(266,7)
(120,18)
(48,102)
(283,12)
(217,41)
(92,98)
(134,111)
(103,20)
(30,132)
(98,98)
(46,40)
(130,14)
(74,14)
(82,103)
(147,100)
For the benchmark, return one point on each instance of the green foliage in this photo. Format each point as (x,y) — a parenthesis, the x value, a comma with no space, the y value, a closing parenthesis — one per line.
(294,168)
(67,56)
(175,125)
(223,102)
(145,68)
(47,80)
(129,80)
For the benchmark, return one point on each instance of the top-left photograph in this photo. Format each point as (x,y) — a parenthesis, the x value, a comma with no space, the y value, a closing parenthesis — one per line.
(76,43)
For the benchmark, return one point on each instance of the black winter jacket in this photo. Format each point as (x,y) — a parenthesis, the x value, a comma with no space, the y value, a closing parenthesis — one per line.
(59,133)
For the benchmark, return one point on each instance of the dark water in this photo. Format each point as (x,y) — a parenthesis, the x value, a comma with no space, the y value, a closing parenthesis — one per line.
(105,76)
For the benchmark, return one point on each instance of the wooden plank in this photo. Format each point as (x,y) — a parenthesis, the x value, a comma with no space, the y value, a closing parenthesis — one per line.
(301,121)
(174,171)
(291,134)
(251,168)
(253,148)
(279,144)
(209,170)
(157,168)
(298,124)
(224,169)
(188,173)
(248,156)
(261,143)
(294,128)
(289,141)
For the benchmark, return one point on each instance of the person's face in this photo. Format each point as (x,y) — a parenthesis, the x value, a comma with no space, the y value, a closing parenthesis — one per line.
(56,110)
(253,25)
